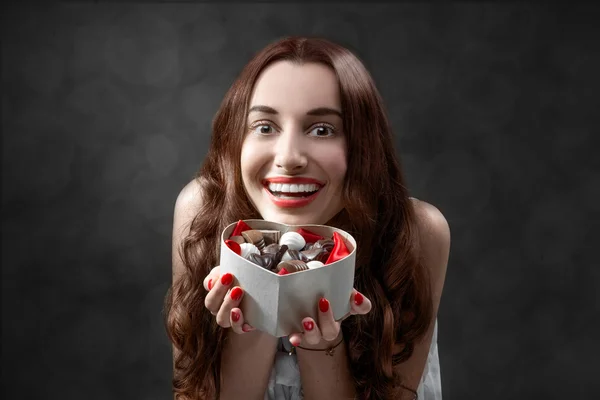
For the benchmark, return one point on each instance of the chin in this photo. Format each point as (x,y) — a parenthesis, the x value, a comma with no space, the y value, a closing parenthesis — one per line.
(300,219)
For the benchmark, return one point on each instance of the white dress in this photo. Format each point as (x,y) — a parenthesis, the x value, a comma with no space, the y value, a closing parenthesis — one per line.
(285,384)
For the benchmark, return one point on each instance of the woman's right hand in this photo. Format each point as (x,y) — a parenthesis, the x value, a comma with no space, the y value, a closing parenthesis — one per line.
(223,300)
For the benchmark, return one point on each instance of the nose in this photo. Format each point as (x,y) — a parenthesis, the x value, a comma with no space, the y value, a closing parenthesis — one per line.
(290,152)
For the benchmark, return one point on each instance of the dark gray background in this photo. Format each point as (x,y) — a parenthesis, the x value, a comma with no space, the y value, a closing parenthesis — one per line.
(106,113)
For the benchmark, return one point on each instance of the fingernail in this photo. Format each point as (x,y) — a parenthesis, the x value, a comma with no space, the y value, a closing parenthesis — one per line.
(246,328)
(358,299)
(308,325)
(226,279)
(209,284)
(283,271)
(235,316)
(295,343)
(236,293)
(323,305)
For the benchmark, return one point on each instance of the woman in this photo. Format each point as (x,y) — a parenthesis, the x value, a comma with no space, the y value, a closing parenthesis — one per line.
(307,108)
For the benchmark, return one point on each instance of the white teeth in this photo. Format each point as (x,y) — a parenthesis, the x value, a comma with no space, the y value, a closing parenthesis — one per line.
(293,188)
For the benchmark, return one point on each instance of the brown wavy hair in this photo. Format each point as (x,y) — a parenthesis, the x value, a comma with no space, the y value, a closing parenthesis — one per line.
(378,213)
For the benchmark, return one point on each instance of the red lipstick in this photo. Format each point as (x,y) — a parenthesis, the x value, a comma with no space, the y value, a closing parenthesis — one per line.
(292,202)
(290,180)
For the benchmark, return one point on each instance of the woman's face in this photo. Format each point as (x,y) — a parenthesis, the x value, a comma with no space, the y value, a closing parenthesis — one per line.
(294,153)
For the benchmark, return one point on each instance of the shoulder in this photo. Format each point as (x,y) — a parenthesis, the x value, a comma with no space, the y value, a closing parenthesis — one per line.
(434,235)
(188,204)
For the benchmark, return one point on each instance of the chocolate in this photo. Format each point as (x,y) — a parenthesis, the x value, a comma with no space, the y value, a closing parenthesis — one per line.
(255,237)
(326,244)
(315,254)
(270,236)
(292,266)
(293,255)
(314,264)
(276,250)
(272,248)
(293,240)
(247,249)
(238,239)
(267,261)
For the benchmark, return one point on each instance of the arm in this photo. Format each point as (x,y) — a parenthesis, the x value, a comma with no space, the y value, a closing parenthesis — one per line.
(248,357)
(325,377)
(435,247)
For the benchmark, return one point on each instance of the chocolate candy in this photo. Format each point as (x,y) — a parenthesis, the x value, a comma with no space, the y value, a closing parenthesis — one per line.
(292,266)
(238,239)
(276,250)
(247,249)
(315,254)
(326,244)
(255,237)
(271,236)
(267,261)
(293,255)
(314,264)
(293,240)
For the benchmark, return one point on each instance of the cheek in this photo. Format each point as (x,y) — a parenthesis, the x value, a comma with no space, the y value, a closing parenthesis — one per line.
(334,163)
(252,159)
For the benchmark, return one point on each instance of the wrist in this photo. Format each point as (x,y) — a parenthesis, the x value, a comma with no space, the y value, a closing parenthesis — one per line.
(324,344)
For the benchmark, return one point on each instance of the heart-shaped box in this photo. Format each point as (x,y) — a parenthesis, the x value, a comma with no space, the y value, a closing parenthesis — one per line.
(276,304)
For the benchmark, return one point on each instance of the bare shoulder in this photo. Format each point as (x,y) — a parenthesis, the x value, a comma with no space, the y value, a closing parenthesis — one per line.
(187,206)
(434,234)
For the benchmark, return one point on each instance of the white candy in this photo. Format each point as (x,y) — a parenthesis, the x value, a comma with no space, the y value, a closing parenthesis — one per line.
(293,240)
(314,264)
(248,248)
(286,257)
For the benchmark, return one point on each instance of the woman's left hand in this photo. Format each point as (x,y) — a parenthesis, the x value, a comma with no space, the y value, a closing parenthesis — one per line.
(327,328)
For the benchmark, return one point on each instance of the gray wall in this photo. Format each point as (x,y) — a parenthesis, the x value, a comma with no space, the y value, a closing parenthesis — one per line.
(106,114)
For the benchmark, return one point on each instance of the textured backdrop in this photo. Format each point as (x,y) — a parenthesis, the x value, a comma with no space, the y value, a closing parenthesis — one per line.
(106,113)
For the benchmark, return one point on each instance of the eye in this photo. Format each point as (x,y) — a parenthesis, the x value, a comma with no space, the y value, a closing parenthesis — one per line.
(262,128)
(323,130)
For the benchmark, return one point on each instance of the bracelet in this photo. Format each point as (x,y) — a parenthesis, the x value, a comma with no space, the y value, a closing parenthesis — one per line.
(329,351)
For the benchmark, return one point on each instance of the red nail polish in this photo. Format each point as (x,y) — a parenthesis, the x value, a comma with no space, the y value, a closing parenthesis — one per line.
(358,299)
(283,271)
(236,293)
(235,316)
(295,343)
(209,284)
(246,328)
(323,305)
(308,325)
(226,279)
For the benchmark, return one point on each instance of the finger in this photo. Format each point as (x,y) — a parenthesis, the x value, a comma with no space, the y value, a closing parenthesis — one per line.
(236,320)
(214,298)
(231,300)
(211,278)
(295,339)
(329,327)
(312,333)
(359,303)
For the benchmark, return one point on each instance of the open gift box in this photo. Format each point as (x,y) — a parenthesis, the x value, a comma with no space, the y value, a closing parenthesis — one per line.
(276,304)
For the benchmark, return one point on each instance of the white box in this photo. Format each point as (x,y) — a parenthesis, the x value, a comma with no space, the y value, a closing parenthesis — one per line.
(276,304)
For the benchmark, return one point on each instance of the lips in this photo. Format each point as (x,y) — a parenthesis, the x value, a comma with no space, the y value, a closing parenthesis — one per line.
(296,180)
(292,200)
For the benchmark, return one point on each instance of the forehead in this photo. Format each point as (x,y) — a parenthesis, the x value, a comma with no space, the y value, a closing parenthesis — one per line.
(291,87)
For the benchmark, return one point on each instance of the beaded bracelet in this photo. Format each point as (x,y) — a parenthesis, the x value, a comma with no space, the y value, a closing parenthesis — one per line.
(329,351)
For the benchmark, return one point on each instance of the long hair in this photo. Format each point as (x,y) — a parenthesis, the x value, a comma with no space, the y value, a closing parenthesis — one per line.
(377,212)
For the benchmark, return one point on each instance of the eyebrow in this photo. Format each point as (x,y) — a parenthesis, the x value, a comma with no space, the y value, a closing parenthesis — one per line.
(320,111)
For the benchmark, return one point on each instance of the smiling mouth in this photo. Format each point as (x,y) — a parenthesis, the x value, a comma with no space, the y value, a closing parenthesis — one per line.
(292,191)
